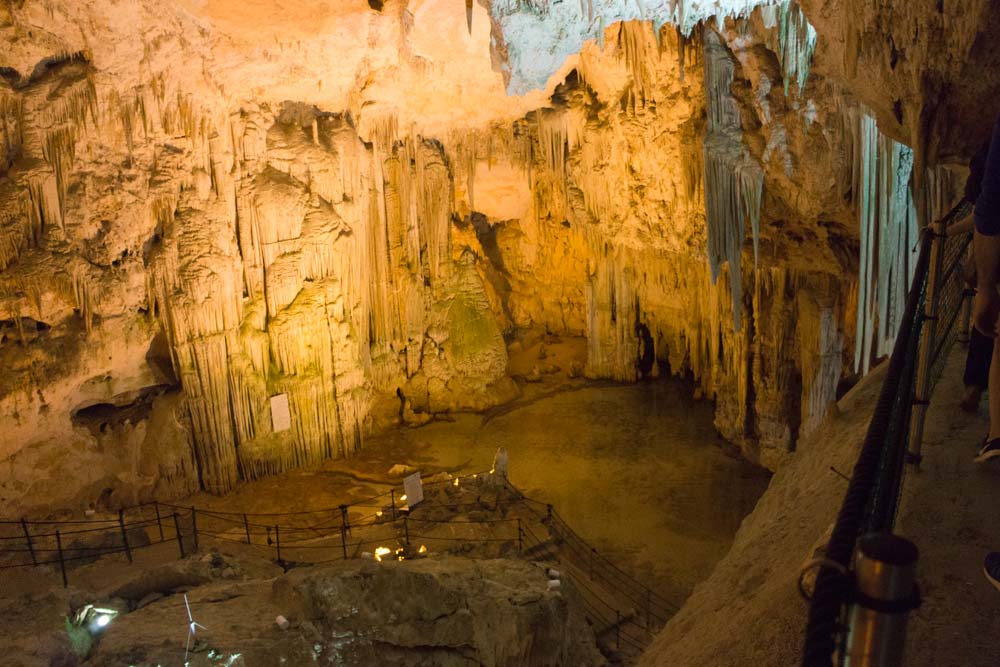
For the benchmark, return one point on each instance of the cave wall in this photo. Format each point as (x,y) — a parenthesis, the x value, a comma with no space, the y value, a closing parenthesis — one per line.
(611,238)
(928,71)
(179,242)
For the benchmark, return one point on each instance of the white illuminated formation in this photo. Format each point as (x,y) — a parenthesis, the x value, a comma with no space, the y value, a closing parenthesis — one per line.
(887,219)
(192,628)
(541,34)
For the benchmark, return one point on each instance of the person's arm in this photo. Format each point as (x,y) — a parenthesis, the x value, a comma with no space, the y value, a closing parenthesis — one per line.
(961,227)
(987,241)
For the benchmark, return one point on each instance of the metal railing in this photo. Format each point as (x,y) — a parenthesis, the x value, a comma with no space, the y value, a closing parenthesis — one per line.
(624,612)
(936,311)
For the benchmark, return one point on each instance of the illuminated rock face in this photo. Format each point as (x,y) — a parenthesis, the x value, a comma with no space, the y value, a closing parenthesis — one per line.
(344,207)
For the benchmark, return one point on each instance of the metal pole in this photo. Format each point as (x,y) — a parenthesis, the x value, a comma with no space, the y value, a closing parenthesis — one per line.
(392,496)
(27,538)
(62,561)
(885,577)
(406,528)
(344,519)
(921,394)
(343,540)
(121,524)
(246,527)
(159,522)
(180,538)
(520,537)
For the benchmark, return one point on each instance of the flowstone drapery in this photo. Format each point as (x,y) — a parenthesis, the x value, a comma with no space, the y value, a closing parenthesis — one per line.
(733,180)
(888,225)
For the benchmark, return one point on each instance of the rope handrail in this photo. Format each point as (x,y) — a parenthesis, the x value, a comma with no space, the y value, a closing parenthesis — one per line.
(872,497)
(830,592)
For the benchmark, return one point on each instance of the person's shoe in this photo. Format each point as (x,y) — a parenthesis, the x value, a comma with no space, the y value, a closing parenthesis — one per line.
(991,568)
(970,402)
(989,450)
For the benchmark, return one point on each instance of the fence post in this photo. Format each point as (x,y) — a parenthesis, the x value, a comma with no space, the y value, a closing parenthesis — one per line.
(180,538)
(343,518)
(277,540)
(343,540)
(246,527)
(406,528)
(520,536)
(62,561)
(194,527)
(159,522)
(392,497)
(27,538)
(121,524)
(932,297)
(885,583)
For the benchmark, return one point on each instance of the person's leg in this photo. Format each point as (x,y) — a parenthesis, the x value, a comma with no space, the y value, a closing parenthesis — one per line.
(991,567)
(994,391)
(977,369)
(991,448)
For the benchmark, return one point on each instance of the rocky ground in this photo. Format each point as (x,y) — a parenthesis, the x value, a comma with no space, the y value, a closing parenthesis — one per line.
(468,599)
(435,611)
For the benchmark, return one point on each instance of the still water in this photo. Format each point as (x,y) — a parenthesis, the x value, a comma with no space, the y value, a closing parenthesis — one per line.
(637,470)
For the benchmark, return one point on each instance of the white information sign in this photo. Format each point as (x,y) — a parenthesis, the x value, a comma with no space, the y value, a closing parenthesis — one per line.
(281,418)
(414,489)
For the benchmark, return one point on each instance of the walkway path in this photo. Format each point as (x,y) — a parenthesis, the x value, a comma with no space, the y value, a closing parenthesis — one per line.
(951,510)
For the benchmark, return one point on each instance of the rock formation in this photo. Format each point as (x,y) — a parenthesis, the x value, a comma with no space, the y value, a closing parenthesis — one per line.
(210,212)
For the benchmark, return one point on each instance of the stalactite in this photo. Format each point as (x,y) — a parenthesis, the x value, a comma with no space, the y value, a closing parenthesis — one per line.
(635,45)
(11,129)
(733,180)
(84,297)
(797,42)
(686,14)
(881,170)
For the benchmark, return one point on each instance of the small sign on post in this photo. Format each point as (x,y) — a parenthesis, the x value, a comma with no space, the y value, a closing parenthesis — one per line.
(414,489)
(281,418)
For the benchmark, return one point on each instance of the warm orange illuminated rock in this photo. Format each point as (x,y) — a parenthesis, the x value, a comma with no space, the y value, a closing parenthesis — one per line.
(345,206)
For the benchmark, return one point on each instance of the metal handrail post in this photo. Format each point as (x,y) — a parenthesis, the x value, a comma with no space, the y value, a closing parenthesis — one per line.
(885,594)
(921,392)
